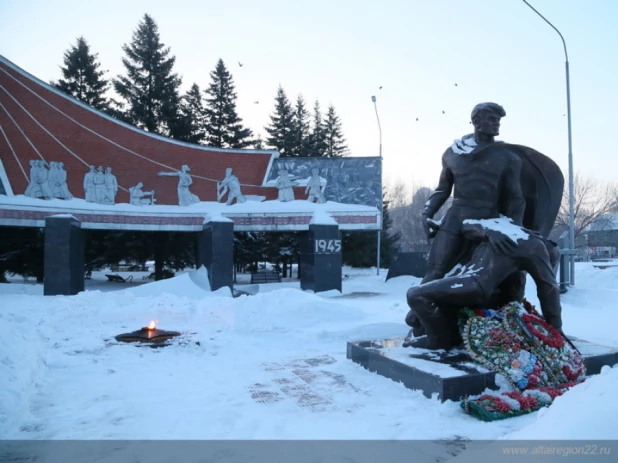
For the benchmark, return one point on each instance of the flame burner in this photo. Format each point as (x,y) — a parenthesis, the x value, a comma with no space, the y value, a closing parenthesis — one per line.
(148,334)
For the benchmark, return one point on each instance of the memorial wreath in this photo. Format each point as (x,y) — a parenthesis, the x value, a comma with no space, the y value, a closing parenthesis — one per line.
(535,358)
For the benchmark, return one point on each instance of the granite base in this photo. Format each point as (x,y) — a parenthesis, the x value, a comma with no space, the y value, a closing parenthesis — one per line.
(451,375)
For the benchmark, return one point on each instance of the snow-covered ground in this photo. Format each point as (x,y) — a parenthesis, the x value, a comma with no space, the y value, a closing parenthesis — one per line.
(269,366)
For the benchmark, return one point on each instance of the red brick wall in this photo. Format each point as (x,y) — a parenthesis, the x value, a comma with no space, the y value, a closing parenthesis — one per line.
(128,168)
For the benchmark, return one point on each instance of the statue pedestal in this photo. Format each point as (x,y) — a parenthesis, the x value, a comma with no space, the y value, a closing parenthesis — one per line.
(451,375)
(320,258)
(215,251)
(64,256)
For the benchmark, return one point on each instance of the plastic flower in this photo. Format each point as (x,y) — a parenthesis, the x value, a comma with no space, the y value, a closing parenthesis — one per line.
(539,395)
(530,366)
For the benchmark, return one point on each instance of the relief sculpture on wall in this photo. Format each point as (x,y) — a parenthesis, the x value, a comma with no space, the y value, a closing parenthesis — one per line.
(47,183)
(185,197)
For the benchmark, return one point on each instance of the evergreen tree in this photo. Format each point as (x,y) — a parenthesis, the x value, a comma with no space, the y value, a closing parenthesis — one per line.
(150,88)
(224,127)
(317,138)
(249,249)
(21,251)
(288,132)
(192,121)
(82,78)
(300,129)
(170,250)
(335,141)
(281,128)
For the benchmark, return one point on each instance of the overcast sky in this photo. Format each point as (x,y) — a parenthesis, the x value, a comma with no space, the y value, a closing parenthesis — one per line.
(342,51)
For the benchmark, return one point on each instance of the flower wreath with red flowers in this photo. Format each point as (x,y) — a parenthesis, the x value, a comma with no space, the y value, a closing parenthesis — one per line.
(516,342)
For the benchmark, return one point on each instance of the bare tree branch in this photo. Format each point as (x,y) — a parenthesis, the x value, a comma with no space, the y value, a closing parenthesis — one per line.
(405,213)
(592,202)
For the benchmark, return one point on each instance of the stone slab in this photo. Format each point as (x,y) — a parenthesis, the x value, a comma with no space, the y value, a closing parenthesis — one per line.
(215,250)
(408,263)
(63,257)
(321,258)
(451,375)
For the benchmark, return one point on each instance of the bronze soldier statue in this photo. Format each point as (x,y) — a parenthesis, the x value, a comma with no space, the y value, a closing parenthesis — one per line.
(485,176)
(488,179)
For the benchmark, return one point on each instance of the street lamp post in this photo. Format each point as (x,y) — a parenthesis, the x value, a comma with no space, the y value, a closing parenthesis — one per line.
(373,98)
(571,199)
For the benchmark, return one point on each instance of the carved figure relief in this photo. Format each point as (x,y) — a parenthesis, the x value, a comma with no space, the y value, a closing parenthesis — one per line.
(314,187)
(137,196)
(31,189)
(39,181)
(231,185)
(89,191)
(111,186)
(57,180)
(52,176)
(100,192)
(185,197)
(285,185)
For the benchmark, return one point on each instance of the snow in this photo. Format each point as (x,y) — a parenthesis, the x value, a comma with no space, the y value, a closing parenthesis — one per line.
(595,418)
(63,376)
(503,225)
(465,145)
(216,218)
(77,205)
(403,355)
(63,216)
(322,217)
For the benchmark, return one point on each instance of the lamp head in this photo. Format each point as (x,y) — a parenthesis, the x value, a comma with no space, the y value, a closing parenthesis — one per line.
(373,98)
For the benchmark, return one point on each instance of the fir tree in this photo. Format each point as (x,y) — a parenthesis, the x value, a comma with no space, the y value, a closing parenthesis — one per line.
(150,88)
(300,129)
(192,120)
(317,138)
(335,141)
(82,78)
(21,251)
(281,128)
(224,127)
(249,248)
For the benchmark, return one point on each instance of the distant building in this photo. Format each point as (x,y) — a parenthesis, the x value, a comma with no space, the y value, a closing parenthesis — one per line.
(603,237)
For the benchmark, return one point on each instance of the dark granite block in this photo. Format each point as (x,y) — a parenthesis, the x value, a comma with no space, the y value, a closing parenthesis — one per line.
(215,251)
(371,356)
(321,258)
(63,256)
(453,375)
(595,356)
(408,263)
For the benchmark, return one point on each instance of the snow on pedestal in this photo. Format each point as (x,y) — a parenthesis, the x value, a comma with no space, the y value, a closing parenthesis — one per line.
(321,217)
